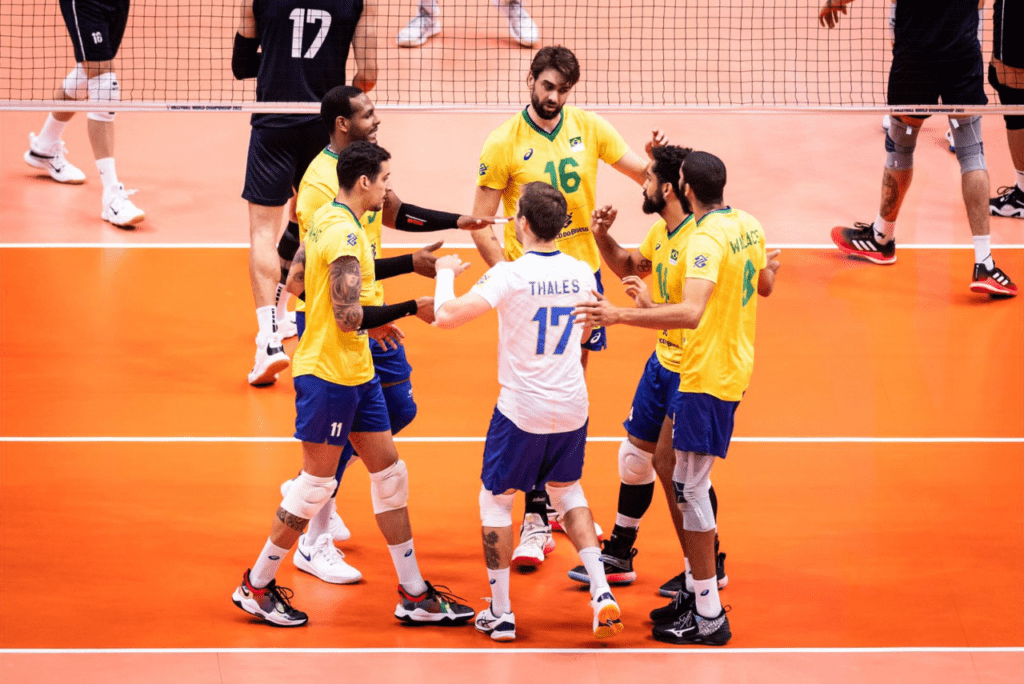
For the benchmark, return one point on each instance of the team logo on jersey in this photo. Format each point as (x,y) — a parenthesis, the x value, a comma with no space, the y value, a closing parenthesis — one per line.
(483,279)
(576,144)
(673,257)
(483,168)
(529,153)
(700,261)
(352,239)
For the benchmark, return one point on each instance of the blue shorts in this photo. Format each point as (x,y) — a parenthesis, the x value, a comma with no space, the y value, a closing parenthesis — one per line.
(325,413)
(598,336)
(652,401)
(702,423)
(277,160)
(514,459)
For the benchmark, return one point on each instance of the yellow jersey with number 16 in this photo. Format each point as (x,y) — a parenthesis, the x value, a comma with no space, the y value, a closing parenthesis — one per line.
(666,250)
(727,248)
(519,152)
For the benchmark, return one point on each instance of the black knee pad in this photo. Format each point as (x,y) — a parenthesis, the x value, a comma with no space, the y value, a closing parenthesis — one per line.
(289,243)
(1008,96)
(714,500)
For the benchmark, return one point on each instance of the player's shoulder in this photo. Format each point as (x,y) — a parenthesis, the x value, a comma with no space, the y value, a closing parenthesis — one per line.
(509,128)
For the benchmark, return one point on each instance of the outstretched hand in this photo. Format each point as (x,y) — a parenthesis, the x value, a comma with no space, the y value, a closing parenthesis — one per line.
(601,219)
(829,14)
(637,289)
(423,260)
(452,261)
(598,312)
(773,260)
(387,334)
(658,139)
(474,222)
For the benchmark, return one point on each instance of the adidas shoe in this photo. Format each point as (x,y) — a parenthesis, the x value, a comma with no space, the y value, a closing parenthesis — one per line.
(535,542)
(419,29)
(287,327)
(120,210)
(501,627)
(1010,202)
(618,565)
(606,616)
(994,283)
(324,560)
(270,360)
(683,602)
(53,162)
(520,25)
(555,520)
(693,628)
(271,603)
(860,241)
(339,532)
(432,605)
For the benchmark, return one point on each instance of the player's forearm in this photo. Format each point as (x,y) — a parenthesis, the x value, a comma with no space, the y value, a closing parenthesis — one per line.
(667,317)
(615,256)
(364,47)
(487,244)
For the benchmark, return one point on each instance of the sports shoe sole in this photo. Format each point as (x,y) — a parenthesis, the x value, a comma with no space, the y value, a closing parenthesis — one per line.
(1013,212)
(526,562)
(608,622)
(253,608)
(420,617)
(305,566)
(994,291)
(615,579)
(867,256)
(269,375)
(129,224)
(719,638)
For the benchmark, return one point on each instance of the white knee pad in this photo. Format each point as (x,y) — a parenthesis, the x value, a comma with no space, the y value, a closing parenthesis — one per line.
(389,488)
(967,141)
(900,143)
(308,494)
(495,509)
(76,83)
(565,499)
(104,88)
(692,483)
(636,466)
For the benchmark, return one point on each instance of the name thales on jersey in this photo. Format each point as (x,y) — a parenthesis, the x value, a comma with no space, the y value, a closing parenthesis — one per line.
(554,287)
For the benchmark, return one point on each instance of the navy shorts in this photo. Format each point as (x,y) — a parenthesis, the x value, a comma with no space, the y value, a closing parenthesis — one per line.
(514,459)
(960,82)
(325,413)
(598,336)
(652,401)
(702,423)
(96,28)
(391,364)
(278,158)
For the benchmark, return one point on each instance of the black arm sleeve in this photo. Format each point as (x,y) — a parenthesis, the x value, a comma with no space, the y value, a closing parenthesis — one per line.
(413,219)
(392,266)
(245,60)
(376,316)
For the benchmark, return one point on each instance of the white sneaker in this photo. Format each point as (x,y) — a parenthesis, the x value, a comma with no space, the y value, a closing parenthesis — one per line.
(556,523)
(520,26)
(949,139)
(535,542)
(120,210)
(336,526)
(501,627)
(324,560)
(287,327)
(270,360)
(885,123)
(419,30)
(53,162)
(606,616)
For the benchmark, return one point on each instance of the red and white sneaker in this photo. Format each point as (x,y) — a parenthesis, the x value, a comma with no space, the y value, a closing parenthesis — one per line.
(535,543)
(993,282)
(861,242)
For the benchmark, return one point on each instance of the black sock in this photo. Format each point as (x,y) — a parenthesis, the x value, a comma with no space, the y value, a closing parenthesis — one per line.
(537,502)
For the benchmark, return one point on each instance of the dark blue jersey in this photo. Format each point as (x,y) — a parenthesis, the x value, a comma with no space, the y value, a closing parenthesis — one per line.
(936,30)
(305,45)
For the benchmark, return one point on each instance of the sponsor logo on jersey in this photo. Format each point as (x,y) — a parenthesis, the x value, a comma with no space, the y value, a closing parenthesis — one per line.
(483,169)
(700,261)
(576,144)
(529,153)
(352,239)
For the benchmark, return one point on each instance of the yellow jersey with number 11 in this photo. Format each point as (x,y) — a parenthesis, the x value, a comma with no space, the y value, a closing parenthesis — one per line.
(666,250)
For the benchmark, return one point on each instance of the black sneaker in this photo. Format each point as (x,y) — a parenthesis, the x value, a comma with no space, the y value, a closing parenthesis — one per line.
(433,605)
(618,564)
(683,602)
(270,603)
(692,628)
(861,241)
(1010,202)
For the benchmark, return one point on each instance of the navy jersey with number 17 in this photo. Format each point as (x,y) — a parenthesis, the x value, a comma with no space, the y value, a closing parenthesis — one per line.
(305,45)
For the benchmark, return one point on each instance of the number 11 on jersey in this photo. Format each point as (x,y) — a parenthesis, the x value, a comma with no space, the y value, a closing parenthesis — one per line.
(557,313)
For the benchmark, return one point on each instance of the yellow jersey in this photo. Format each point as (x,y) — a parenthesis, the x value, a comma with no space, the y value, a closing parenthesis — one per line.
(519,152)
(727,248)
(324,350)
(319,186)
(666,250)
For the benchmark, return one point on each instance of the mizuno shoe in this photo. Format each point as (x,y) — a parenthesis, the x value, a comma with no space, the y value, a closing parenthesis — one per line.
(693,628)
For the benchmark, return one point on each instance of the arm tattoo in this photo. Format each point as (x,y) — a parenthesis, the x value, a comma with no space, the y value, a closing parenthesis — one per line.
(644,266)
(293,521)
(346,282)
(299,265)
(890,194)
(491,550)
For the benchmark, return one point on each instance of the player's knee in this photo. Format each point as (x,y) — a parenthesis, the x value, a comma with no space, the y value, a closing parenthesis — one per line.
(636,466)
(564,499)
(495,509)
(694,501)
(288,245)
(970,151)
(900,143)
(389,488)
(308,494)
(401,405)
(76,83)
(104,88)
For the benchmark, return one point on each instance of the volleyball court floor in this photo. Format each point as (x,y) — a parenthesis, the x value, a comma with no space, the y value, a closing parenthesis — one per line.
(872,505)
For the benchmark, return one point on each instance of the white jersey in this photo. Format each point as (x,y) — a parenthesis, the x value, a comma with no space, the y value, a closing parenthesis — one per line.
(543,390)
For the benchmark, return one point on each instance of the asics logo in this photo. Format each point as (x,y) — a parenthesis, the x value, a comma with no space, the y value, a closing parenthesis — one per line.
(274,558)
(408,553)
(595,338)
(705,592)
(494,581)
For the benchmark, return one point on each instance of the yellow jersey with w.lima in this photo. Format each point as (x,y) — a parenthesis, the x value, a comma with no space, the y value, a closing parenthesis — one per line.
(727,248)
(324,350)
(519,152)
(666,250)
(319,187)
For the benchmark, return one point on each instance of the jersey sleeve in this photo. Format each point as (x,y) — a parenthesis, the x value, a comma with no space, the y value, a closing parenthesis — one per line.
(647,246)
(342,239)
(704,256)
(494,171)
(312,195)
(611,147)
(493,285)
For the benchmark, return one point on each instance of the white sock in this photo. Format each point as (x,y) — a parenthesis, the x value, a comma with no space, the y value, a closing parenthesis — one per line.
(265,567)
(321,522)
(281,297)
(107,172)
(884,230)
(626,521)
(266,319)
(591,557)
(708,603)
(688,578)
(430,7)
(404,557)
(1020,180)
(50,135)
(983,251)
(500,602)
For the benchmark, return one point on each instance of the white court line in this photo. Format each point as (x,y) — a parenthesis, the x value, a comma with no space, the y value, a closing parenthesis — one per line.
(403,245)
(480,440)
(513,650)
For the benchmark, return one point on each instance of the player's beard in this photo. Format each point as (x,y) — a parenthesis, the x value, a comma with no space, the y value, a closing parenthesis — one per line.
(545,114)
(654,205)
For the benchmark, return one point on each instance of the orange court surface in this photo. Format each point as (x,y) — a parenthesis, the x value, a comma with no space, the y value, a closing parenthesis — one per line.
(872,505)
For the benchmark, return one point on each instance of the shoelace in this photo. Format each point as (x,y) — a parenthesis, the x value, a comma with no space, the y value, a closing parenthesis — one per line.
(282,594)
(328,546)
(443,593)
(535,535)
(1006,190)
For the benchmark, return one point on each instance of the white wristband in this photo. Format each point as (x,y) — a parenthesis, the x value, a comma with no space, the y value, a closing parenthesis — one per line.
(444,288)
